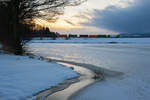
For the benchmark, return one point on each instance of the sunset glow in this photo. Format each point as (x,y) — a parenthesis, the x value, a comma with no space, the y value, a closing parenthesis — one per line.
(74,17)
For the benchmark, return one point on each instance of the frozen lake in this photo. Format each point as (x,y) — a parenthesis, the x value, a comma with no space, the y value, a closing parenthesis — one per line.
(133,59)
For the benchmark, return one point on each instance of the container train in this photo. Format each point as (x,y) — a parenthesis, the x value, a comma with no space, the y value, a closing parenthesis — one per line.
(87,36)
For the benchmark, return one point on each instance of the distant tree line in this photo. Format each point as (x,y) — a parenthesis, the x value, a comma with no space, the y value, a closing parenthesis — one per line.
(42,32)
(16,17)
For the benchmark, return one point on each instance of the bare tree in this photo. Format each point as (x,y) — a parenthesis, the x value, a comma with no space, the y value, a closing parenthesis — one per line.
(22,12)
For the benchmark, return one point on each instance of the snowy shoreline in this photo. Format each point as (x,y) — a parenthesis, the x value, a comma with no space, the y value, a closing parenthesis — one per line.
(90,77)
(21,76)
(16,66)
(98,74)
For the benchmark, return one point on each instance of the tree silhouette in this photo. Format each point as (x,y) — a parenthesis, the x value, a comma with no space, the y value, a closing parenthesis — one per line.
(16,17)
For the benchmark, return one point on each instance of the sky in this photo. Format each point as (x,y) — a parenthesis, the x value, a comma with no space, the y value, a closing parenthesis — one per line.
(104,17)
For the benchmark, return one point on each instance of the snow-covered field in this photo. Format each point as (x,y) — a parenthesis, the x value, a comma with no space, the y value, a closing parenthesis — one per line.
(92,40)
(21,77)
(133,59)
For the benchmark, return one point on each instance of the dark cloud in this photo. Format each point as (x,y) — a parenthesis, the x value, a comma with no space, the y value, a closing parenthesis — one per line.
(133,19)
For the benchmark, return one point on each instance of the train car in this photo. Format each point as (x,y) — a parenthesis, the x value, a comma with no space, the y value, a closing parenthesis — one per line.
(118,36)
(93,36)
(63,36)
(104,36)
(83,36)
(72,36)
(108,36)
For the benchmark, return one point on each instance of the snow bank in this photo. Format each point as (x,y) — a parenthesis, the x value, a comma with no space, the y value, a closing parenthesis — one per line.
(92,40)
(21,77)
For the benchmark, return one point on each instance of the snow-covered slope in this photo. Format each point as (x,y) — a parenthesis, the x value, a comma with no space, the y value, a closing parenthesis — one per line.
(21,77)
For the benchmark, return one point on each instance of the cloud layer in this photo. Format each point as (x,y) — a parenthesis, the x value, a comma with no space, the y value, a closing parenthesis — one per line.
(133,19)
